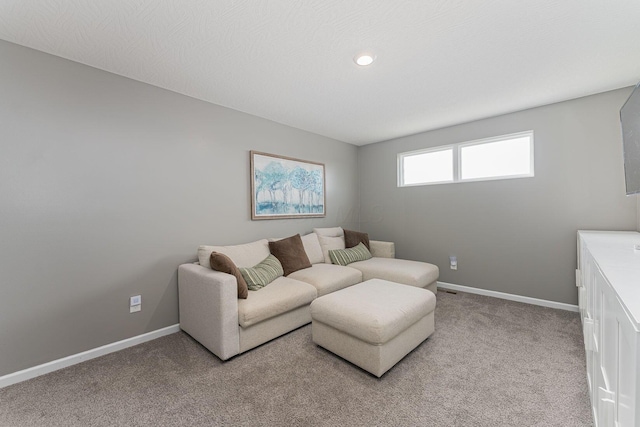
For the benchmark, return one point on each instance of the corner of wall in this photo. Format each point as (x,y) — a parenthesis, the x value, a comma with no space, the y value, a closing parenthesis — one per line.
(638,212)
(359,190)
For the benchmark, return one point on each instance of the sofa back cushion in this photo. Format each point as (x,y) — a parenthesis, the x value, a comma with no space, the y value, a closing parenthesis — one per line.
(329,231)
(312,248)
(246,255)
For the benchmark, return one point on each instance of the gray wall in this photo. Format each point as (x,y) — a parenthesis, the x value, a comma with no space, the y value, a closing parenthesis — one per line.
(516,236)
(107,185)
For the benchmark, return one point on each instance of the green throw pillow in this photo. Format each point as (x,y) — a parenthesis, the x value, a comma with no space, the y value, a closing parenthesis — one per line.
(347,256)
(259,276)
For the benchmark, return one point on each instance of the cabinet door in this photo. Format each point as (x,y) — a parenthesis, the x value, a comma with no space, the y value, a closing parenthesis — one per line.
(627,398)
(597,381)
(612,344)
(590,285)
(608,354)
(588,290)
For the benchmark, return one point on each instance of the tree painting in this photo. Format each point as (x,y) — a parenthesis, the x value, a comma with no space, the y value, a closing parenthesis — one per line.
(286,188)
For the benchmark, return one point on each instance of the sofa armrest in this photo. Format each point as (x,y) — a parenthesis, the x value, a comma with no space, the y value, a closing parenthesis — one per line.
(382,249)
(208,303)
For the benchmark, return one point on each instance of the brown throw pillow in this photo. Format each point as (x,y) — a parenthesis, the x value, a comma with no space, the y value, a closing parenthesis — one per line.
(352,238)
(290,252)
(221,262)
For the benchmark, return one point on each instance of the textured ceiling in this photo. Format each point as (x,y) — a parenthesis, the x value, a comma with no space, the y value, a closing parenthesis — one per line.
(438,62)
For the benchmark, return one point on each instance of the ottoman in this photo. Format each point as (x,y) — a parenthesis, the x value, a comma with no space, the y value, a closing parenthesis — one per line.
(373,324)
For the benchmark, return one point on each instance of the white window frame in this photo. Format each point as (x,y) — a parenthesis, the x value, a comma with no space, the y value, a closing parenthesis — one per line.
(401,157)
(457,161)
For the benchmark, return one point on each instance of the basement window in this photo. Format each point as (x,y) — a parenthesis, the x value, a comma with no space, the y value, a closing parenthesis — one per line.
(501,157)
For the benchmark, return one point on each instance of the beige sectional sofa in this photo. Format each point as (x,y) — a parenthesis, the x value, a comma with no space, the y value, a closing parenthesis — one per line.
(212,313)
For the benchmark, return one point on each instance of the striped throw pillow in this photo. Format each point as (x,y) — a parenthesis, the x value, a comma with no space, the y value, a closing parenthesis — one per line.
(259,276)
(347,256)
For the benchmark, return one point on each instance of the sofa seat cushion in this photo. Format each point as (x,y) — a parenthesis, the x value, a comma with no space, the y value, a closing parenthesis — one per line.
(327,278)
(282,295)
(414,273)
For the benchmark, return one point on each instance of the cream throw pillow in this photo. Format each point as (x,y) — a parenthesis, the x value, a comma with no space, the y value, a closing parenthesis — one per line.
(329,243)
(329,231)
(312,248)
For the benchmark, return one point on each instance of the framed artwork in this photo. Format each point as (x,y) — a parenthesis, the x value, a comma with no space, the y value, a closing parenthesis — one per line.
(283,187)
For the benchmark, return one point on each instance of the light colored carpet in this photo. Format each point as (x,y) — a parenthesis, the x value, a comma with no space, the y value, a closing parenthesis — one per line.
(490,362)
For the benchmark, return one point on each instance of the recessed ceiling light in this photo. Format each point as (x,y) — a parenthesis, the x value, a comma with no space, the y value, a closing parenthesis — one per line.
(364,59)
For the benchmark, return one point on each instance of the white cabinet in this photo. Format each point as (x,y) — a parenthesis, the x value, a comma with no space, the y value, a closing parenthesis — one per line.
(608,280)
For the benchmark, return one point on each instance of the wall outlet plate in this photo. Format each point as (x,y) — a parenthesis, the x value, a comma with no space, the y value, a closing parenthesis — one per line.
(135,309)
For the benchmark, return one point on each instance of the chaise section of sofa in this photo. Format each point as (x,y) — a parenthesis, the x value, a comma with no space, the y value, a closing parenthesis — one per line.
(403,271)
(211,312)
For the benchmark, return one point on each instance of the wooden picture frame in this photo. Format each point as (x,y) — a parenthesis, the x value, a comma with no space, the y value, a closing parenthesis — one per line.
(284,187)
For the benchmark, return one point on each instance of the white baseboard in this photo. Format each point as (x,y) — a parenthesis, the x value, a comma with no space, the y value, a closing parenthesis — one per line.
(74,359)
(54,365)
(511,297)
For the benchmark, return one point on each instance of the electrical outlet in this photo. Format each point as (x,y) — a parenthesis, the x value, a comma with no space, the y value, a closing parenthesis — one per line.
(135,303)
(453,262)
